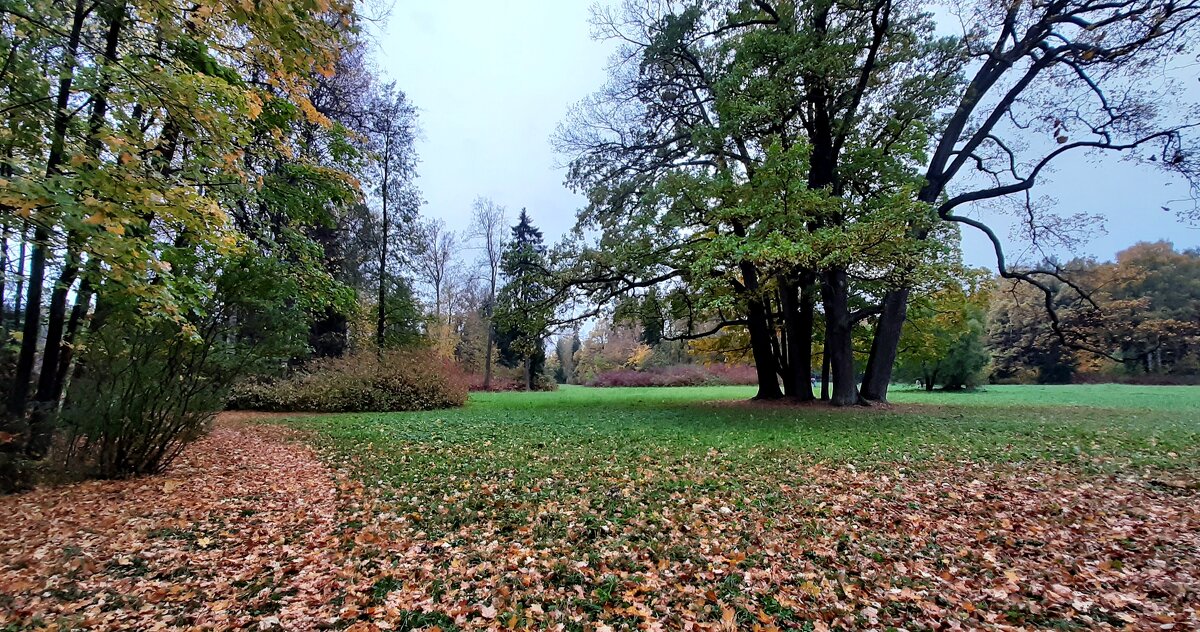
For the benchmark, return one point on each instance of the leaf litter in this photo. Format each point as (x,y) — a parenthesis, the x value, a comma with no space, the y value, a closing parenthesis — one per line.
(251,529)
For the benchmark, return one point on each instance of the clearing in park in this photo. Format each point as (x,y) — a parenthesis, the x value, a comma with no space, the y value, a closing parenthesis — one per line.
(606,509)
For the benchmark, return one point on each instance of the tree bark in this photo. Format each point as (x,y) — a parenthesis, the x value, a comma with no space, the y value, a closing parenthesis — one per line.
(885,344)
(83,300)
(759,328)
(839,342)
(798,321)
(4,278)
(528,373)
(381,324)
(487,361)
(20,289)
(41,420)
(764,358)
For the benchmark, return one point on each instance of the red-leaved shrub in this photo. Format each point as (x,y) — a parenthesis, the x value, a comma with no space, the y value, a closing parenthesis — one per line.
(405,380)
(680,375)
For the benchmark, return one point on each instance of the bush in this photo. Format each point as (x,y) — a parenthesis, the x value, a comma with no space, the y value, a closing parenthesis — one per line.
(500,383)
(147,386)
(507,379)
(680,375)
(395,381)
(138,400)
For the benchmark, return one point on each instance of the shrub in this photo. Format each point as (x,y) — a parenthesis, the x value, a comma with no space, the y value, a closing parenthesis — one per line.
(402,380)
(505,379)
(147,386)
(679,375)
(500,383)
(137,401)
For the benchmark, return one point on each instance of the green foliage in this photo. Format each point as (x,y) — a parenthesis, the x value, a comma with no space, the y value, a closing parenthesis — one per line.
(523,305)
(394,380)
(943,340)
(146,386)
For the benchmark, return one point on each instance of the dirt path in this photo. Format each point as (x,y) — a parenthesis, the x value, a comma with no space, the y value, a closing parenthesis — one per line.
(233,534)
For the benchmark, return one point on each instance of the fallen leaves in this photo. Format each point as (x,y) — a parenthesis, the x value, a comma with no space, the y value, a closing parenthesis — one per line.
(237,535)
(250,530)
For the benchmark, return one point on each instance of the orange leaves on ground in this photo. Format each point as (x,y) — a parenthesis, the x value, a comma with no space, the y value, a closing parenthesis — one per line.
(249,530)
(238,533)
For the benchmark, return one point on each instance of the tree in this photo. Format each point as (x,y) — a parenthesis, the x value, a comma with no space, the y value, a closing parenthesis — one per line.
(435,250)
(761,159)
(1051,79)
(524,306)
(565,350)
(153,151)
(393,130)
(488,222)
(1139,315)
(1024,346)
(943,340)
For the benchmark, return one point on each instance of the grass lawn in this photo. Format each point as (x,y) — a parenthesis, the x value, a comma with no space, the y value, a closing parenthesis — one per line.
(677,507)
(578,428)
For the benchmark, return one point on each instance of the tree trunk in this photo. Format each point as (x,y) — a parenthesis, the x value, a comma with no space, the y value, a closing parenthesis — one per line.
(760,336)
(4,278)
(381,324)
(83,300)
(884,345)
(41,420)
(487,360)
(23,375)
(764,358)
(839,342)
(528,373)
(798,321)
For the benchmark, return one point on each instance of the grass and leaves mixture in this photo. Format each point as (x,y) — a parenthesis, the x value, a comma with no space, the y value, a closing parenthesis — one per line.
(661,509)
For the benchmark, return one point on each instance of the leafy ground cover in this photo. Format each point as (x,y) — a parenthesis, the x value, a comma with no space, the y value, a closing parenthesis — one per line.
(608,509)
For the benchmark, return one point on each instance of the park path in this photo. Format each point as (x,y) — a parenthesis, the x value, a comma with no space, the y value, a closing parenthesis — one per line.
(234,534)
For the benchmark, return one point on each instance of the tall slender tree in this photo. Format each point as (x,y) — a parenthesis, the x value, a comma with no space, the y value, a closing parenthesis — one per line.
(488,221)
(393,131)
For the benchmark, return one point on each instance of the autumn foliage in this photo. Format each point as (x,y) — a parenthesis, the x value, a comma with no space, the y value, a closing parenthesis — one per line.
(398,380)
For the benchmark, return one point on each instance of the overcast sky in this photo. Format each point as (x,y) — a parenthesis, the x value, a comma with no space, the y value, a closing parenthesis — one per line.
(493,79)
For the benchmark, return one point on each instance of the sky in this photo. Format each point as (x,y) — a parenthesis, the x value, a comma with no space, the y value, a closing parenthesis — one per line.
(492,80)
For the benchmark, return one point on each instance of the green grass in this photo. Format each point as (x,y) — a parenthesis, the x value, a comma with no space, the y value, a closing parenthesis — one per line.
(562,442)
(600,489)
(1104,424)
